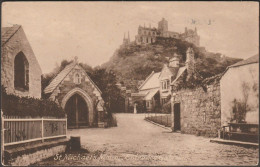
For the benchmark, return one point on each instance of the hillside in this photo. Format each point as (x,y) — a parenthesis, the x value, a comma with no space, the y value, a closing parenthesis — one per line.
(135,62)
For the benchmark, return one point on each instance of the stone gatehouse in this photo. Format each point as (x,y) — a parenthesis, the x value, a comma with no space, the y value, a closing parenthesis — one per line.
(78,95)
(20,71)
(197,111)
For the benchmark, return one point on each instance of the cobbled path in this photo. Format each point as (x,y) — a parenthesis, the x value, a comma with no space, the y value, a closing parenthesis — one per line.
(138,142)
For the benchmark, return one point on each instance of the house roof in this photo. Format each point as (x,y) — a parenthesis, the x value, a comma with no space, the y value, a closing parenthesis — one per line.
(8,32)
(180,72)
(174,71)
(250,60)
(60,77)
(151,94)
(152,81)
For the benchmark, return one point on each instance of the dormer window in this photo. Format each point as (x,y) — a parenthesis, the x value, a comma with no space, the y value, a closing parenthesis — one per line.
(77,78)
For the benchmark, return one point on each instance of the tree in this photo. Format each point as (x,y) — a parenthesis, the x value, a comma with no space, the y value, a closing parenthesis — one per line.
(106,82)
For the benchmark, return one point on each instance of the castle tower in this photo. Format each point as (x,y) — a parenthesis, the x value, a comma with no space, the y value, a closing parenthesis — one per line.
(126,41)
(190,61)
(163,25)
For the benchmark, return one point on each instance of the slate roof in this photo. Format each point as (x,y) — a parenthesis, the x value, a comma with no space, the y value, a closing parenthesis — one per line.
(152,81)
(180,72)
(8,32)
(151,94)
(60,77)
(174,71)
(250,60)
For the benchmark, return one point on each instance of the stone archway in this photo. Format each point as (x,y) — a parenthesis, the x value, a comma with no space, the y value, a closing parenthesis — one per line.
(84,95)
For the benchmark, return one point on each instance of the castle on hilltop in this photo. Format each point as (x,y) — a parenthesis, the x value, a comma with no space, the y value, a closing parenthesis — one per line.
(147,35)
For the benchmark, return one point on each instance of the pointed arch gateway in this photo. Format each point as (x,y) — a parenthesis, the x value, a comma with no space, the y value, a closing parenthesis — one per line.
(79,108)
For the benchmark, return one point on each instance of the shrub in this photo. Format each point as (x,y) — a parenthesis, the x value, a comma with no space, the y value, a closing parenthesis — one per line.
(27,106)
(167,107)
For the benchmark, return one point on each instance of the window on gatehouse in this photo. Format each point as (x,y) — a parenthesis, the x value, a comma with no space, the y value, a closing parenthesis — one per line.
(77,78)
(21,72)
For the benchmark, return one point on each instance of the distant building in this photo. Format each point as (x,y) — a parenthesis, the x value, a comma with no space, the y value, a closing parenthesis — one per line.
(20,71)
(78,95)
(240,82)
(147,35)
(126,41)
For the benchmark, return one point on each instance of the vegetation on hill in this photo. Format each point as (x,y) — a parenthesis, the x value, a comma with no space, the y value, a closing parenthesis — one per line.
(136,62)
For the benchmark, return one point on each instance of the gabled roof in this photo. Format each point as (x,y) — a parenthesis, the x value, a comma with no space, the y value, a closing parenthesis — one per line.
(60,77)
(173,70)
(8,32)
(250,60)
(152,81)
(180,72)
(151,94)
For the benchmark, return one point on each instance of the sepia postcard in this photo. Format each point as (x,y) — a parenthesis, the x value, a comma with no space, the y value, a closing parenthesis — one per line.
(140,83)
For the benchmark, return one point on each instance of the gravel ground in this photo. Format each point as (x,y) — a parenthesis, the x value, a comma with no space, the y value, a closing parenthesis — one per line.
(138,142)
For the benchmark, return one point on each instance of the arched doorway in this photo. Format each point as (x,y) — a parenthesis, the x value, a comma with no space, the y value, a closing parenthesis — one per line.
(77,112)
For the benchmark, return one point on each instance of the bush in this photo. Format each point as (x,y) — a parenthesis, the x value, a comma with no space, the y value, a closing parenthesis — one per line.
(167,107)
(27,106)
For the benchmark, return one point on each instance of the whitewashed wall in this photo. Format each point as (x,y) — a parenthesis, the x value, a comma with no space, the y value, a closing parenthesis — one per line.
(231,88)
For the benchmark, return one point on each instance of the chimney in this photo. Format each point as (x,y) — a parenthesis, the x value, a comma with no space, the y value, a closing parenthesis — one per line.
(186,29)
(128,36)
(76,59)
(174,62)
(190,61)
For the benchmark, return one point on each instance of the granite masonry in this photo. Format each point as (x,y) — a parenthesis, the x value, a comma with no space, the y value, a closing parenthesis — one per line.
(200,110)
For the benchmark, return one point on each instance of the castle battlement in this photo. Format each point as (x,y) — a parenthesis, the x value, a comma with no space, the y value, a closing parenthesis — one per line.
(147,35)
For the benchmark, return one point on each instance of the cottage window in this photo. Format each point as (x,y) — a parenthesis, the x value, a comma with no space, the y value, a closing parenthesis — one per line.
(21,72)
(168,84)
(77,78)
(148,103)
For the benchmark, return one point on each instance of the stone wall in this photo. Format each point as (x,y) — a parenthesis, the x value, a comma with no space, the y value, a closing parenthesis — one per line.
(27,155)
(200,111)
(19,43)
(27,159)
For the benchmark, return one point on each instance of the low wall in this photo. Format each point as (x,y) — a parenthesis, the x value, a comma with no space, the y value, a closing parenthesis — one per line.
(200,111)
(24,156)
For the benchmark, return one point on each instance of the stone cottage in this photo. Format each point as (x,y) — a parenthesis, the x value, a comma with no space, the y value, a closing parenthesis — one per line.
(195,110)
(78,95)
(240,83)
(20,70)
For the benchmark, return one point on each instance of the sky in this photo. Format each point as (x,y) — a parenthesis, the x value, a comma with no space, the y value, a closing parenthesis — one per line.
(92,31)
